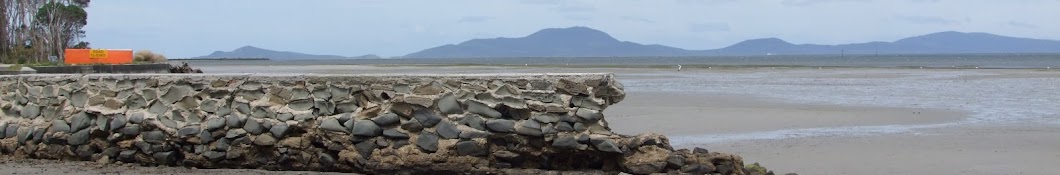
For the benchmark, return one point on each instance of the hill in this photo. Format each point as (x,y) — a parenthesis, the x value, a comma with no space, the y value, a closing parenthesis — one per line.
(255,52)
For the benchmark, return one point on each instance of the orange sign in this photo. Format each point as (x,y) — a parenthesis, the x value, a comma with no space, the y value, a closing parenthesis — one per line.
(98,56)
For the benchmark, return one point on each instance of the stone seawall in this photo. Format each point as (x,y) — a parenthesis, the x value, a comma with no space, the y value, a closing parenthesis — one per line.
(378,124)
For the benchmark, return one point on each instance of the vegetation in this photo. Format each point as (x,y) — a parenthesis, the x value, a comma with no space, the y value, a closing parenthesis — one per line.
(39,31)
(146,56)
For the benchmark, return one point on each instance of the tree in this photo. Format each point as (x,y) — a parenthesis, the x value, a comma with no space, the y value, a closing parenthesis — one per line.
(60,26)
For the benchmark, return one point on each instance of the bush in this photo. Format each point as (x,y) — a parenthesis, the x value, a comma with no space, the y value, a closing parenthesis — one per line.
(146,56)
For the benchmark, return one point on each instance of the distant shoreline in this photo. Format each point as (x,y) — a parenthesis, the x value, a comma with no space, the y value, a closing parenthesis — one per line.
(220,59)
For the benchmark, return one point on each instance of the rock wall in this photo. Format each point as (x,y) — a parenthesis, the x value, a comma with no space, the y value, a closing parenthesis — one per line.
(379,124)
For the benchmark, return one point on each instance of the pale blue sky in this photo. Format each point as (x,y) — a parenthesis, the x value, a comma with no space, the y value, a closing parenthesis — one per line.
(388,28)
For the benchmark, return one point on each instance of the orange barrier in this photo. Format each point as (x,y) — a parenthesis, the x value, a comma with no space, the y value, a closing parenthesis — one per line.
(98,56)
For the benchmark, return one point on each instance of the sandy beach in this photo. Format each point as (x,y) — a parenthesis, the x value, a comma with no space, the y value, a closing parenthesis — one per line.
(821,121)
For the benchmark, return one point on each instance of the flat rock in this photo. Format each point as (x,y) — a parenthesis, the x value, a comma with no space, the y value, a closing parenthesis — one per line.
(284,116)
(394,134)
(365,148)
(481,109)
(473,121)
(300,105)
(412,125)
(131,130)
(565,142)
(606,145)
(470,148)
(448,105)
(428,142)
(78,138)
(474,134)
(387,119)
(529,128)
(279,130)
(448,130)
(154,137)
(80,121)
(366,128)
(118,121)
(213,124)
(188,131)
(234,121)
(501,125)
(234,133)
(253,126)
(59,126)
(546,118)
(589,114)
(427,117)
(137,118)
(332,124)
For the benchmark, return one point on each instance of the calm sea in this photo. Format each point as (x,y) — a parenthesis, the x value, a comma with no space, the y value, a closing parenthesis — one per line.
(1033,61)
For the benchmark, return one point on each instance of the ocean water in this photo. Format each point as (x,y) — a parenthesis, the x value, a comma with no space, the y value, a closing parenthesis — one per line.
(908,61)
(987,99)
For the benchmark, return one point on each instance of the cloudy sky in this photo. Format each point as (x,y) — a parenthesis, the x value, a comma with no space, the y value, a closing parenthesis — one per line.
(388,28)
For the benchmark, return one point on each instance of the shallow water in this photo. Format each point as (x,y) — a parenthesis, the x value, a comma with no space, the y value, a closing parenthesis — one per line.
(1030,99)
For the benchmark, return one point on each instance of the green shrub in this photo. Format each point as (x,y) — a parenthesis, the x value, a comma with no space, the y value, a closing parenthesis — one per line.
(146,56)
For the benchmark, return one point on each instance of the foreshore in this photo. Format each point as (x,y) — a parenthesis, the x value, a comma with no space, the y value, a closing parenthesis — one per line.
(818,121)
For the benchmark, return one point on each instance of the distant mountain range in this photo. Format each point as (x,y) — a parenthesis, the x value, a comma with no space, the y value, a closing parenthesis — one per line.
(254,52)
(587,42)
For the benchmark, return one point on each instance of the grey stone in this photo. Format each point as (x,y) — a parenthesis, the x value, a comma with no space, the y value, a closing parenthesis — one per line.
(234,121)
(168,123)
(365,148)
(470,148)
(214,156)
(346,107)
(412,125)
(235,133)
(399,143)
(529,128)
(241,107)
(586,102)
(300,105)
(3,130)
(24,135)
(165,158)
(387,119)
(158,108)
(473,121)
(394,134)
(80,121)
(348,123)
(299,93)
(580,127)
(253,126)
(137,118)
(59,126)
(699,150)
(583,138)
(188,131)
(324,107)
(251,95)
(448,130)
(565,142)
(175,93)
(207,105)
(697,169)
(30,111)
(596,128)
(264,140)
(131,130)
(205,137)
(127,156)
(102,124)
(427,141)
(646,168)
(154,137)
(427,117)
(605,145)
(118,121)
(474,134)
(279,130)
(78,99)
(481,109)
(326,159)
(78,138)
(366,128)
(589,115)
(546,118)
(675,161)
(332,124)
(215,123)
(448,105)
(501,125)
(284,116)
(11,131)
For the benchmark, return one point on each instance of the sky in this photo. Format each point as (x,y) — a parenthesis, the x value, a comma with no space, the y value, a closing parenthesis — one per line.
(390,28)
